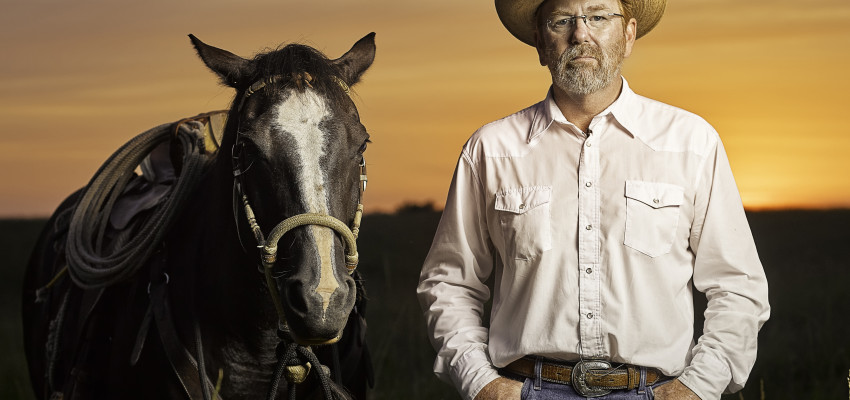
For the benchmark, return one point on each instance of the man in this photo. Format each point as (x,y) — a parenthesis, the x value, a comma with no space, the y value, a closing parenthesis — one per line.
(598,211)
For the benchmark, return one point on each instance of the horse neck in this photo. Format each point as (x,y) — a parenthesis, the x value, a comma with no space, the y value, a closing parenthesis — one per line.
(215,284)
(206,252)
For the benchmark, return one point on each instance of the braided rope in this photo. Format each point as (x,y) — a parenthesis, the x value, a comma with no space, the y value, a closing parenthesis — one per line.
(293,358)
(351,256)
(90,264)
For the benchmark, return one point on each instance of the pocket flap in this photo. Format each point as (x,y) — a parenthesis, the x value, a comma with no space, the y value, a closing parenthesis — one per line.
(655,194)
(523,199)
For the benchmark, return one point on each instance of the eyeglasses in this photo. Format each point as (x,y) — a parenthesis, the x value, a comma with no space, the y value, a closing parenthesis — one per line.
(566,23)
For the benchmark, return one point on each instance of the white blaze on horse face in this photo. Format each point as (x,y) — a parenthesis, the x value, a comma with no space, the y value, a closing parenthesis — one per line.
(300,115)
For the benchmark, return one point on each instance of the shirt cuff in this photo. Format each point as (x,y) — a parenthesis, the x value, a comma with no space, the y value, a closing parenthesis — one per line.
(472,372)
(707,376)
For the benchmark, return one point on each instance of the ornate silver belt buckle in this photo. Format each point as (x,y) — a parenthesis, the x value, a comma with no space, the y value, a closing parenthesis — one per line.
(580,375)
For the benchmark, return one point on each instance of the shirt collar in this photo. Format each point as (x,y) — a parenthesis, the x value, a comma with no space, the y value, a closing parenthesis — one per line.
(623,110)
(545,112)
(626,110)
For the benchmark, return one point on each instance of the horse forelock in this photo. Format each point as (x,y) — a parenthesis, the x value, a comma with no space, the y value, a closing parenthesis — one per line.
(288,61)
(295,59)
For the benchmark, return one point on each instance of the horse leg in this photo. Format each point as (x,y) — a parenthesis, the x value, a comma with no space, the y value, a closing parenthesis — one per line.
(39,308)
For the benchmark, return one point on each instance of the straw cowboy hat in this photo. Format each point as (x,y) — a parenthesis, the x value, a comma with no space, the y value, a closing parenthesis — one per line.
(518,16)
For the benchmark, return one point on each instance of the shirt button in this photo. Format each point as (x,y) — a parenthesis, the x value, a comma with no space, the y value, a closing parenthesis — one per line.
(522,206)
(589,270)
(588,184)
(588,227)
(587,144)
(589,315)
(655,201)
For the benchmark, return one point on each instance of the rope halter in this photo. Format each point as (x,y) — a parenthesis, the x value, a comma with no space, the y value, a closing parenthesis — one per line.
(268,245)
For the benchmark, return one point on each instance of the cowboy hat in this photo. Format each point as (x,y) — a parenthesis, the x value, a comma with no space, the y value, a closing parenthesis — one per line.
(519,16)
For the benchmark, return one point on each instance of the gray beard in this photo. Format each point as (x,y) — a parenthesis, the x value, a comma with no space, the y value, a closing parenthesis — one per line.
(582,78)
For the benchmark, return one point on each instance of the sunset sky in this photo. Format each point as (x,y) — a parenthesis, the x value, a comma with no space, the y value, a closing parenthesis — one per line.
(80,78)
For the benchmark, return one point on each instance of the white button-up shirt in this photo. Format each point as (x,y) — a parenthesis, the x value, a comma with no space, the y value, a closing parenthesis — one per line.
(595,239)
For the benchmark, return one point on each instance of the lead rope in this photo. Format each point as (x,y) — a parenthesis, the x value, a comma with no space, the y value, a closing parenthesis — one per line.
(288,358)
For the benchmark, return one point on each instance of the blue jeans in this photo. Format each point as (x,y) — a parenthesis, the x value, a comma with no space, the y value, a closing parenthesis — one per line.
(538,389)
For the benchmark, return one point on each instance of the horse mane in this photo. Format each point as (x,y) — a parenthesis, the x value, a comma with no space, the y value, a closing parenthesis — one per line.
(294,59)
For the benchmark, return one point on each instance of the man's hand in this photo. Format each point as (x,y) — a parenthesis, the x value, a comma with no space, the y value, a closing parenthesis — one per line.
(673,390)
(501,389)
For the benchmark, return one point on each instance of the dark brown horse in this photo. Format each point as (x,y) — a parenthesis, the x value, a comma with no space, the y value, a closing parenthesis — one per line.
(197,320)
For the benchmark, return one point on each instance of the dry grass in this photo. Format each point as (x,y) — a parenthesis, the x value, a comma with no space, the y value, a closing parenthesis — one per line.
(803,349)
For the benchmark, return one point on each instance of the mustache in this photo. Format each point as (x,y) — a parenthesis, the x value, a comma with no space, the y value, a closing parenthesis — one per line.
(582,50)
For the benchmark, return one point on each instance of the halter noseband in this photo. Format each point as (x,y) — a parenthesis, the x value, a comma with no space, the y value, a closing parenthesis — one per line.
(268,246)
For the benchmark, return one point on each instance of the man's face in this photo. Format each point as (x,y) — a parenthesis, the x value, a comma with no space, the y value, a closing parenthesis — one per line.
(583,59)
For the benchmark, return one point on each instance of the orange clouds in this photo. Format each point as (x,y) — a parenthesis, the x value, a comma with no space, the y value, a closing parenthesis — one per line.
(80,79)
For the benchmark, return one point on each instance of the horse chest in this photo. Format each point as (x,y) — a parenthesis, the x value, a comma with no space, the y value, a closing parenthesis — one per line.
(248,368)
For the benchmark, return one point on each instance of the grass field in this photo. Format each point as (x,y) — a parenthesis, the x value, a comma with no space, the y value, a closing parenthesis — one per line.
(803,349)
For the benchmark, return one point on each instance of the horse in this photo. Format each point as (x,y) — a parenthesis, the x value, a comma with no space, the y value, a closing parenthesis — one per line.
(197,320)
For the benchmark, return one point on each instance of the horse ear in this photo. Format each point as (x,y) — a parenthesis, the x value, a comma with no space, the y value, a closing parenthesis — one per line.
(354,63)
(231,68)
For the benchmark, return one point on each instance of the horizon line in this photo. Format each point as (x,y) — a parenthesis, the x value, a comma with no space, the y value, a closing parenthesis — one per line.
(430,207)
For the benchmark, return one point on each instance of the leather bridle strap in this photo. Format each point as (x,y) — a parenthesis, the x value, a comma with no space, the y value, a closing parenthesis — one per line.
(300,79)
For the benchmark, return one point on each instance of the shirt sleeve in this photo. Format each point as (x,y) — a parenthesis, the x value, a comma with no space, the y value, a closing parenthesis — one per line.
(727,269)
(451,287)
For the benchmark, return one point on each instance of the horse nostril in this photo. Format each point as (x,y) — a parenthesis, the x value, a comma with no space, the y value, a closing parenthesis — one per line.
(351,294)
(352,286)
(295,297)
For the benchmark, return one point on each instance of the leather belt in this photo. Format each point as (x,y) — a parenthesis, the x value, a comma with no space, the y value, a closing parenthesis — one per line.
(590,378)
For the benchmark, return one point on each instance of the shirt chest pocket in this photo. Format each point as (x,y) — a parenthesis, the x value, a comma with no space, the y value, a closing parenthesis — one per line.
(652,216)
(525,220)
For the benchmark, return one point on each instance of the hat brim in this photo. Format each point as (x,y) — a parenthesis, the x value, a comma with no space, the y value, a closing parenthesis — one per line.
(518,16)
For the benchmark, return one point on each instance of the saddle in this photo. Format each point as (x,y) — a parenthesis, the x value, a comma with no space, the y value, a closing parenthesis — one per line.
(71,340)
(160,169)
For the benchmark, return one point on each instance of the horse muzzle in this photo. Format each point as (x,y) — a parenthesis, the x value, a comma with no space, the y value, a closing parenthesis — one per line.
(313,317)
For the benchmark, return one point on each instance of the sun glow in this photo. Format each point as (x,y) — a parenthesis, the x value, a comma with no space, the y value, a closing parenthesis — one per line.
(772,84)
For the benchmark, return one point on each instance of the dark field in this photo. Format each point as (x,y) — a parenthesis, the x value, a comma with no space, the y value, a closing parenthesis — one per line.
(803,348)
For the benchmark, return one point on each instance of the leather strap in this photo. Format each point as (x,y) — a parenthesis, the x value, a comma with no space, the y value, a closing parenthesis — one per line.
(625,377)
(182,362)
(141,336)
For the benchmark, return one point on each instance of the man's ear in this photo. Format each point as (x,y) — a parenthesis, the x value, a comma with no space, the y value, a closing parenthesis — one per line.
(631,36)
(541,53)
